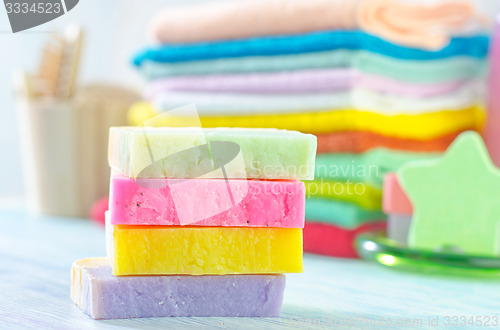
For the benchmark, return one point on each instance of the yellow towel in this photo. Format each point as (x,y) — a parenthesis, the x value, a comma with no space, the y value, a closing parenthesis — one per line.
(421,127)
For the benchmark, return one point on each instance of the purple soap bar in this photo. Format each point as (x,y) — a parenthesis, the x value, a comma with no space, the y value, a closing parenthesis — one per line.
(104,296)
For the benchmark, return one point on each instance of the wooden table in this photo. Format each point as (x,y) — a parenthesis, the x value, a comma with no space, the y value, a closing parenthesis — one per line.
(36,253)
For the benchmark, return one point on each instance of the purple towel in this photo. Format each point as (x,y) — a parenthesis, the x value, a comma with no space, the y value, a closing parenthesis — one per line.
(301,81)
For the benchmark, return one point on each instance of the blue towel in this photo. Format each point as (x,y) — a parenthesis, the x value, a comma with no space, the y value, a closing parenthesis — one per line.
(476,46)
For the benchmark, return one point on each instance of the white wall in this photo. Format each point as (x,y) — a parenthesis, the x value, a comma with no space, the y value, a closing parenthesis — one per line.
(115,30)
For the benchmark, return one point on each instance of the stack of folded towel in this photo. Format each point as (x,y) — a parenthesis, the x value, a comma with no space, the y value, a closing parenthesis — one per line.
(380,82)
(188,201)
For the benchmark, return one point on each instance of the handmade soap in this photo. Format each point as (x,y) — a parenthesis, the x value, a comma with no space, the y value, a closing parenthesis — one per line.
(436,124)
(104,296)
(455,199)
(339,213)
(358,193)
(394,199)
(154,250)
(335,241)
(211,153)
(207,202)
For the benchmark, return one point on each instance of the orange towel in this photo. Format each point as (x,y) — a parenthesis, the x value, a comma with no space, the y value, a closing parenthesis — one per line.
(410,24)
(416,25)
(352,141)
(244,19)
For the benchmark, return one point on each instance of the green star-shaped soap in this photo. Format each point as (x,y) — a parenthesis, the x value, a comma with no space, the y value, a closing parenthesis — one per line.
(456,199)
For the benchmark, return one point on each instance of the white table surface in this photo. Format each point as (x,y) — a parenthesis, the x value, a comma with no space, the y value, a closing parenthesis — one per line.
(36,253)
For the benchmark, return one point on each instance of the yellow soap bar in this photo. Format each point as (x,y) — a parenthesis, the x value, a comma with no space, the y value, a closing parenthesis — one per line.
(155,250)
(421,126)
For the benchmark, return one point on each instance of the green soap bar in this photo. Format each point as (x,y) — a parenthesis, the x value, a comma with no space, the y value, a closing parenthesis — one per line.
(181,153)
(368,167)
(455,199)
(342,214)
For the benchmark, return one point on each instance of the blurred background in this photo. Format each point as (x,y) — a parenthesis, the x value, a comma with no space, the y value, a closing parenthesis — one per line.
(114,30)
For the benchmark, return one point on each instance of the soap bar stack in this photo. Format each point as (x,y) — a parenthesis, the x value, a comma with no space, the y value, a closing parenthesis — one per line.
(201,222)
(379,82)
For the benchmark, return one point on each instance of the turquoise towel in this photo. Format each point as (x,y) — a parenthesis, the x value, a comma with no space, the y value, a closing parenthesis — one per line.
(475,46)
(412,71)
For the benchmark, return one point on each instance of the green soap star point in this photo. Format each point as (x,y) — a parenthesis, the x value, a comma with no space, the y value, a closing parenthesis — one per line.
(456,199)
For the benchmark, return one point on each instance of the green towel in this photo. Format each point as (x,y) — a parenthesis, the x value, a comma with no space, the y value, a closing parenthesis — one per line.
(429,71)
(368,167)
(342,214)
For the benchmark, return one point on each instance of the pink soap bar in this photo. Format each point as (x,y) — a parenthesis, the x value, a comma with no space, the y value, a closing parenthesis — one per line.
(207,202)
(394,199)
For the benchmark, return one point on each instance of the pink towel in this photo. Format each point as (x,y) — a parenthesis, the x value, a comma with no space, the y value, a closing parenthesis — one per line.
(413,24)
